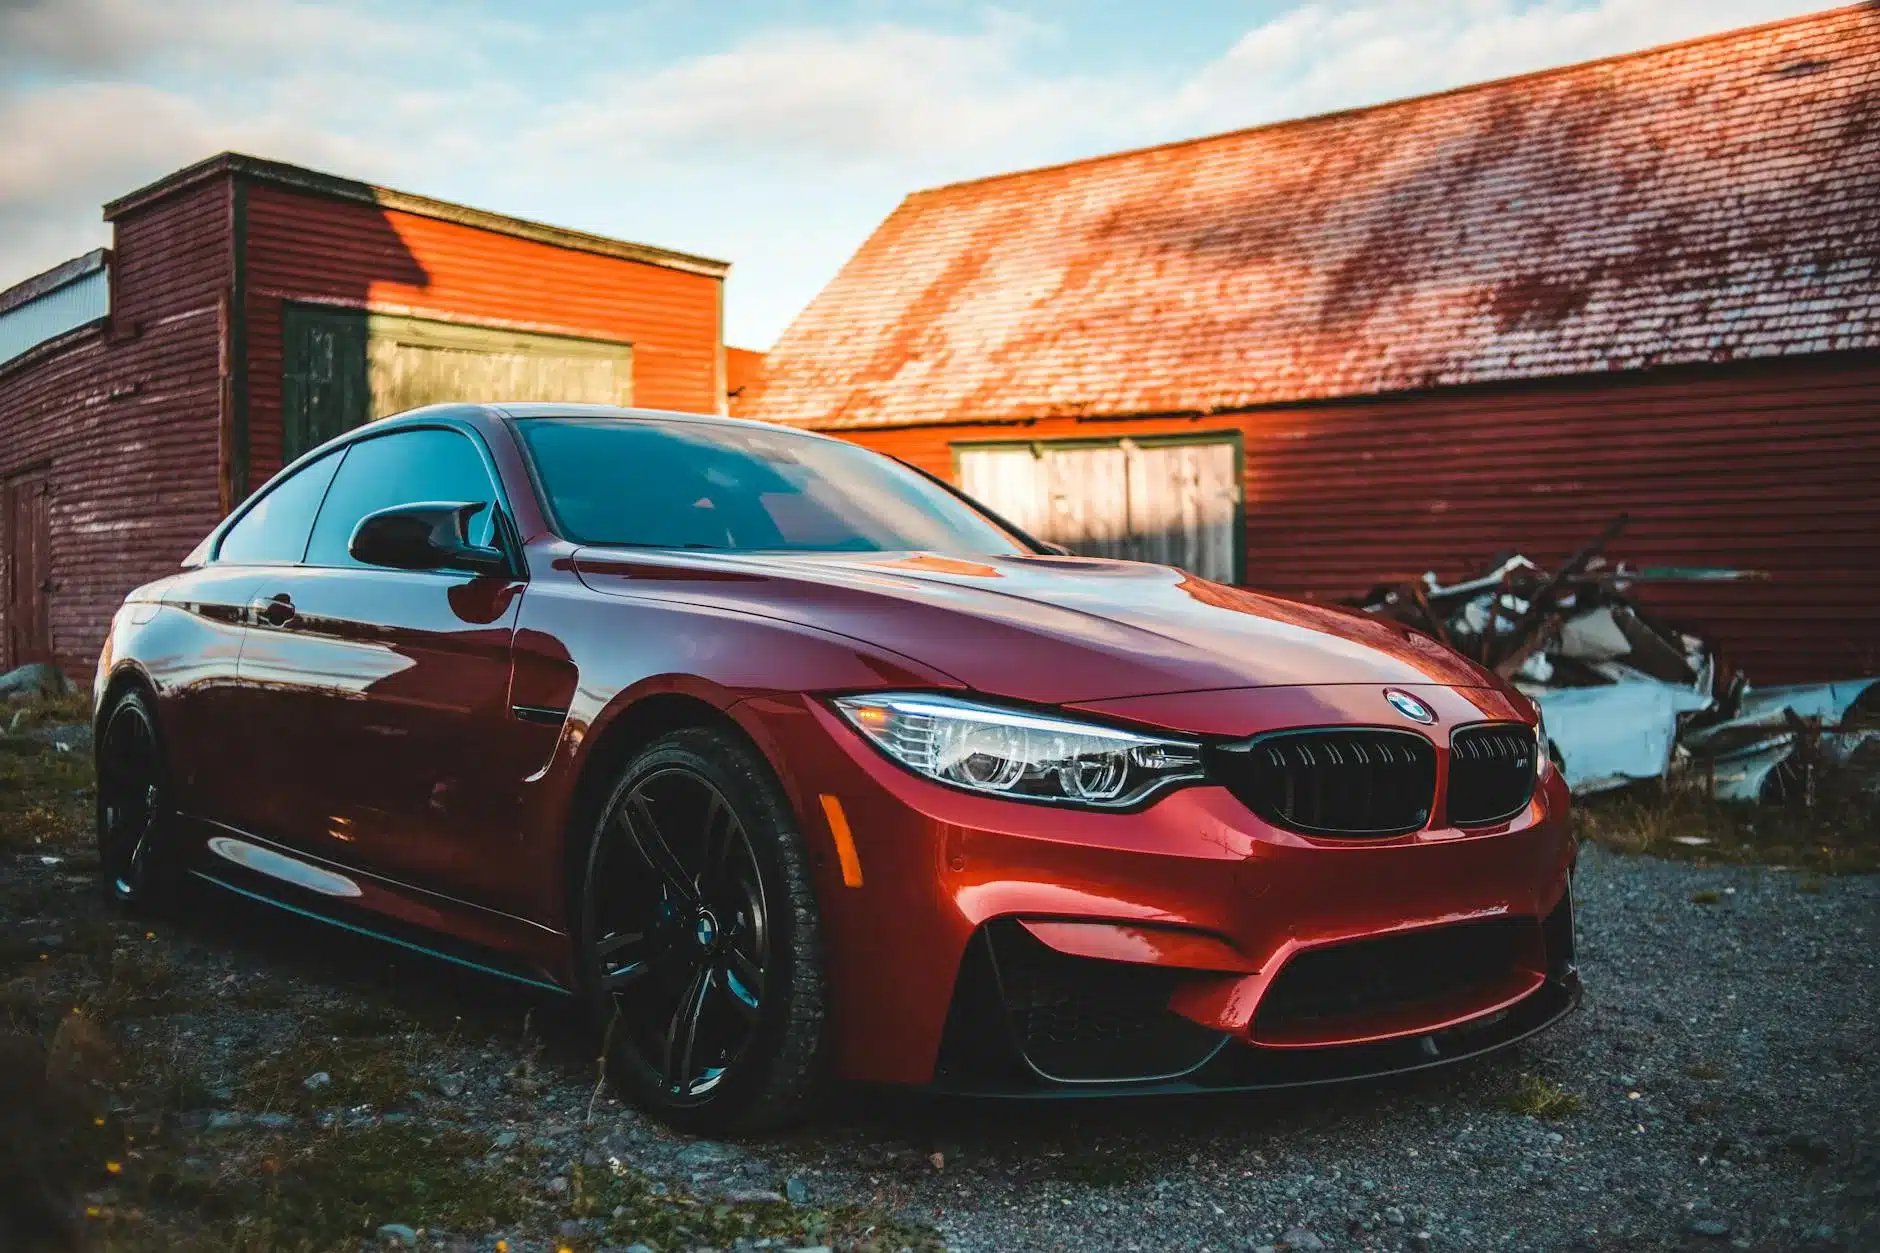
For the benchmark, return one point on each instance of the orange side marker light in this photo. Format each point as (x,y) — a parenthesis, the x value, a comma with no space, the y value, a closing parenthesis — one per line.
(845,840)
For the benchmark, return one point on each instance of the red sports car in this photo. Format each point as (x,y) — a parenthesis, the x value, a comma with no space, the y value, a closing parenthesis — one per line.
(798,765)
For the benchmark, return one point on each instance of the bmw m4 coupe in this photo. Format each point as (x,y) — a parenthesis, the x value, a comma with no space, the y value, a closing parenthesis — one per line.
(799,766)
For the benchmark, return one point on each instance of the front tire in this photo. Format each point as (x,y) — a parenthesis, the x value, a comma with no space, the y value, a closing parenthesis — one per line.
(700,940)
(134,814)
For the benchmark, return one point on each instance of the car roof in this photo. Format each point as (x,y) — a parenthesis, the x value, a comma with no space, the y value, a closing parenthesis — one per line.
(509,410)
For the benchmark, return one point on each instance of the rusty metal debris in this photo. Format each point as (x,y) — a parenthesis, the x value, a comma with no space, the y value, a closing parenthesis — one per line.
(1629,697)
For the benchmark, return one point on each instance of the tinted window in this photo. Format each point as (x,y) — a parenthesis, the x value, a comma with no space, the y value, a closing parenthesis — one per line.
(402,469)
(711,485)
(274,531)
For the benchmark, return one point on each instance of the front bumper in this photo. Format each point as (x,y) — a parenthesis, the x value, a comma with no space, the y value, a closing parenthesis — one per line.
(998,947)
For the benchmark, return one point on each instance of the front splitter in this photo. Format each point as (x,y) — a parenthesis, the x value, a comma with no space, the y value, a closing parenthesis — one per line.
(1249,1068)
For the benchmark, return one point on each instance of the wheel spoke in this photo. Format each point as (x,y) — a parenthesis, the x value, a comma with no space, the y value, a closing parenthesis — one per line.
(740,996)
(720,835)
(750,975)
(682,1032)
(618,942)
(623,977)
(623,959)
(637,817)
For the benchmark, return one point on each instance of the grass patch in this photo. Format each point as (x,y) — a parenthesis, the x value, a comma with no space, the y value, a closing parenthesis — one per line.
(1706,897)
(329,1192)
(45,794)
(1840,835)
(625,1207)
(346,1184)
(335,1190)
(374,1071)
(1537,1098)
(72,708)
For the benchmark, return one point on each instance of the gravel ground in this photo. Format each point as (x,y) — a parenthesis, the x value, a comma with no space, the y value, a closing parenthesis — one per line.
(1728,1096)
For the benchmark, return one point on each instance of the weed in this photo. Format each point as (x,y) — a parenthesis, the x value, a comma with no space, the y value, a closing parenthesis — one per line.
(1841,834)
(1706,897)
(1536,1097)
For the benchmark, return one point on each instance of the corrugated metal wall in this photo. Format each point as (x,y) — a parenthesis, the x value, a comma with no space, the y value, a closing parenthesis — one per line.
(1769,466)
(64,308)
(127,430)
(309,247)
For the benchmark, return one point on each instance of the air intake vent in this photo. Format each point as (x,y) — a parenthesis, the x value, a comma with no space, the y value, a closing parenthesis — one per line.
(1491,773)
(1341,781)
(1389,974)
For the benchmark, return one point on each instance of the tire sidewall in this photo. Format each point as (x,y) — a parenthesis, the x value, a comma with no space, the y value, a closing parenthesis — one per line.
(153,884)
(781,1067)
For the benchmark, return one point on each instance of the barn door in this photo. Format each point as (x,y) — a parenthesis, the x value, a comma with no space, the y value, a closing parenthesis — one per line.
(1175,502)
(417,361)
(323,376)
(344,367)
(27,557)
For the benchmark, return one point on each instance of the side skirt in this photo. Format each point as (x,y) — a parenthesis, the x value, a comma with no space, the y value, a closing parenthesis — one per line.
(385,937)
(440,927)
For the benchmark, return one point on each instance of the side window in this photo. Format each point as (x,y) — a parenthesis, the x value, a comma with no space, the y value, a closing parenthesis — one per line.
(405,468)
(274,532)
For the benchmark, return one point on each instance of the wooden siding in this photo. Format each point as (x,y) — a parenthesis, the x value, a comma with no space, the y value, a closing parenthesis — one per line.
(1172,501)
(124,422)
(304,247)
(1764,466)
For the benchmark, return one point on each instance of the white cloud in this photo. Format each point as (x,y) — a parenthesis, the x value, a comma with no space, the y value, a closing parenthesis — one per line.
(819,96)
(115,35)
(780,151)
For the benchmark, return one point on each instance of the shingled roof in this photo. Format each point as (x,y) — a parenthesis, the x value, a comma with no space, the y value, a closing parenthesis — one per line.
(1706,201)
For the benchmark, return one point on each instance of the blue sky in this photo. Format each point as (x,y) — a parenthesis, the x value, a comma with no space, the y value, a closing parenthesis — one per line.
(774,134)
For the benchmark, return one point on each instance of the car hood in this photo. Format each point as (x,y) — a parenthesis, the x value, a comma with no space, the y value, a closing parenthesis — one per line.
(1054,630)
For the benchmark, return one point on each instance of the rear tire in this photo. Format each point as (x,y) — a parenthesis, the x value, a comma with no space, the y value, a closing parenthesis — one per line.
(699,940)
(135,819)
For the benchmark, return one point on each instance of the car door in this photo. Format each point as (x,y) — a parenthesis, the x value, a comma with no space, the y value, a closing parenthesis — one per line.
(381,695)
(193,650)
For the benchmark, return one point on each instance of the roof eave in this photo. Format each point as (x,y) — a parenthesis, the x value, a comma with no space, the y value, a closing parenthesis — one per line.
(298,178)
(58,276)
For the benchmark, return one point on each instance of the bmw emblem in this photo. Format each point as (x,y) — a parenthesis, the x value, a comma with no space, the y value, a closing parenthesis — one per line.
(1409,706)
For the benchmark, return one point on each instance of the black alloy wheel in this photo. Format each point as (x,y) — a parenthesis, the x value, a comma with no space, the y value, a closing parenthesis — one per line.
(133,803)
(701,944)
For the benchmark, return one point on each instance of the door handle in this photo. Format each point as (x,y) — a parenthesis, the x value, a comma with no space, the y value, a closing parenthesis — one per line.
(277,610)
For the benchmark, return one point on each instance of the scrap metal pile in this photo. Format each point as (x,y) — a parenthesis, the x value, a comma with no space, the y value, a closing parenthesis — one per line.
(1628,697)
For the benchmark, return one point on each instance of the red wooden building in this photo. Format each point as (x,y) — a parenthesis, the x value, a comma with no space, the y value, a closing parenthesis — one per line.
(248,310)
(1310,355)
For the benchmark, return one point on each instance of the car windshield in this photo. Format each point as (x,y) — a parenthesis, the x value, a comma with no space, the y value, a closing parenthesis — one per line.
(712,485)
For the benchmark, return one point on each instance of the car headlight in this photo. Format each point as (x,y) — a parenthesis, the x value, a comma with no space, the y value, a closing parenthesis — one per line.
(1014,753)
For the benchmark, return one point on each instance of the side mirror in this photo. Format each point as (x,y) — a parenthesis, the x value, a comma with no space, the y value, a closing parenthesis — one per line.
(434,535)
